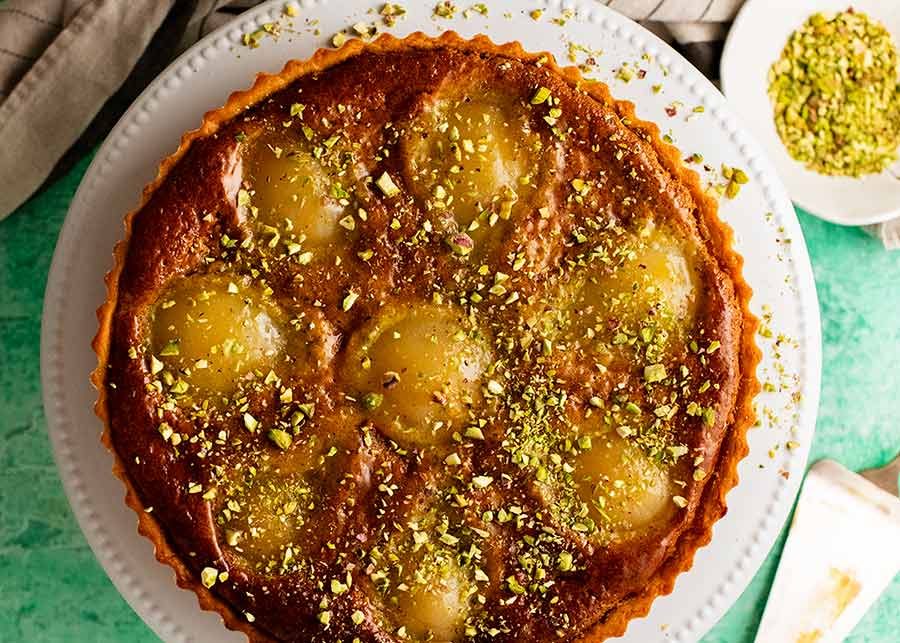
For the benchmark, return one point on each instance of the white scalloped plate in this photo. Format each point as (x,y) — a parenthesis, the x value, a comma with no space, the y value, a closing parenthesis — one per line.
(777,266)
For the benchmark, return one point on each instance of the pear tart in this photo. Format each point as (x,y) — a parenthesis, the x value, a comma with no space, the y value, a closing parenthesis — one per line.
(428,340)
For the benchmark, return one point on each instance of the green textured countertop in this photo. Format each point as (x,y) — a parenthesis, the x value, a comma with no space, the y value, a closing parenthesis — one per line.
(52,589)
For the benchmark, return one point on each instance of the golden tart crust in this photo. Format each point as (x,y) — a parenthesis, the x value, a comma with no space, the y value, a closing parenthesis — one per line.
(619,569)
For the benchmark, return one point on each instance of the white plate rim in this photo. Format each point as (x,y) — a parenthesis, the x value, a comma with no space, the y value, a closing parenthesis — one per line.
(734,88)
(59,351)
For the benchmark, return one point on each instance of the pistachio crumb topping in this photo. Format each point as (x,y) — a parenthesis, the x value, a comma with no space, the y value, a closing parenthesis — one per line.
(453,395)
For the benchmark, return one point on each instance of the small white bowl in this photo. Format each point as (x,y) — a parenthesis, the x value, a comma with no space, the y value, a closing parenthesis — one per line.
(757,38)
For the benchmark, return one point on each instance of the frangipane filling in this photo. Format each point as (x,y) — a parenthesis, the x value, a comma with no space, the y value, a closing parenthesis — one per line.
(475,378)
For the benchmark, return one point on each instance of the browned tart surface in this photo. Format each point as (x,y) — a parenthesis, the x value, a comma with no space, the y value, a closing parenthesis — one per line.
(424,340)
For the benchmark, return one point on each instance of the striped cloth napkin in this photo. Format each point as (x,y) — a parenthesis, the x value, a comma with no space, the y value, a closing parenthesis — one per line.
(70,68)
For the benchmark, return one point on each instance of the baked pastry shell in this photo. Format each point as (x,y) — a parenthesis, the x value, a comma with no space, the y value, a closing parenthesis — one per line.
(717,235)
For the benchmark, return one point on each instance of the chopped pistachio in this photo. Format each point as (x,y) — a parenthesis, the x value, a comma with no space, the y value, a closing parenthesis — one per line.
(460,243)
(453,460)
(654,373)
(732,189)
(540,96)
(169,350)
(445,9)
(364,30)
(372,401)
(580,186)
(391,12)
(348,301)
(387,186)
(835,95)
(165,430)
(625,73)
(474,433)
(514,586)
(209,576)
(281,439)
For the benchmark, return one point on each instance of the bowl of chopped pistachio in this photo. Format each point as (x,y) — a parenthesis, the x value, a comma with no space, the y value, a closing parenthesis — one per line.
(817,83)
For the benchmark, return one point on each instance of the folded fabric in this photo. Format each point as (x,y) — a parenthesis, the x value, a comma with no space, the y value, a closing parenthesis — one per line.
(62,60)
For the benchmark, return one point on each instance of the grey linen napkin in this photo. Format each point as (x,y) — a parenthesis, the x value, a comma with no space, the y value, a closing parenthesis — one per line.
(70,68)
